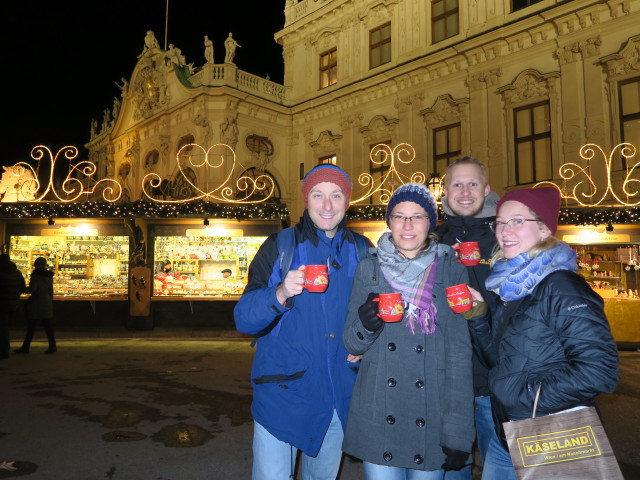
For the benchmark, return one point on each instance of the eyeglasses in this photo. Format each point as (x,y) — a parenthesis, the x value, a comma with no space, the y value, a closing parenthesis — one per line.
(514,224)
(417,219)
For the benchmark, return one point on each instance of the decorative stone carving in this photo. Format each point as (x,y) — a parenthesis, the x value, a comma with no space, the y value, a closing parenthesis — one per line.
(380,128)
(528,85)
(406,103)
(350,121)
(229,130)
(445,110)
(486,79)
(149,91)
(568,53)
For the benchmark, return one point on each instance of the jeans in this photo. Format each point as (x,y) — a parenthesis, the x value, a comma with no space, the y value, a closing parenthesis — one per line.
(485,431)
(384,472)
(497,464)
(276,460)
(485,428)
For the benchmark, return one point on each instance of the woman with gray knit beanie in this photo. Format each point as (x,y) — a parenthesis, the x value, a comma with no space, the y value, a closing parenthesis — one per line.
(411,413)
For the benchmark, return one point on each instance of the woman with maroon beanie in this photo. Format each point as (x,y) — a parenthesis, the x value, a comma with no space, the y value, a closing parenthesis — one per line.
(551,331)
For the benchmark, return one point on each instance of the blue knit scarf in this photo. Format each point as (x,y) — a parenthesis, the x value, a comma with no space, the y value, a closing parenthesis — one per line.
(516,278)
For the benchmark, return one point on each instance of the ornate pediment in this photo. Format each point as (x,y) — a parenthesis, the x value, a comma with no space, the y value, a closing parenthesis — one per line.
(380,128)
(530,85)
(326,143)
(625,62)
(445,110)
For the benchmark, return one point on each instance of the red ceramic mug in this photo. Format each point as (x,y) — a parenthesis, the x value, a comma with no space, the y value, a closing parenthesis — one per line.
(468,253)
(316,278)
(459,298)
(390,307)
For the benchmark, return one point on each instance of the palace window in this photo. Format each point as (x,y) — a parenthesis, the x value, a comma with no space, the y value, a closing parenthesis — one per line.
(444,19)
(380,45)
(446,146)
(629,98)
(328,160)
(329,68)
(520,4)
(532,127)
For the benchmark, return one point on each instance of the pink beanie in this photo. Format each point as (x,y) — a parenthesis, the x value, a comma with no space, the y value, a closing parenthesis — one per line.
(326,173)
(543,201)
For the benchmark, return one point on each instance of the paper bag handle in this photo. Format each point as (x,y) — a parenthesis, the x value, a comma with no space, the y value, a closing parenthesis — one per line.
(535,401)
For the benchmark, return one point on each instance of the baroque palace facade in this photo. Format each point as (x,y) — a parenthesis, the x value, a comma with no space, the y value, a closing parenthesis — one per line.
(520,84)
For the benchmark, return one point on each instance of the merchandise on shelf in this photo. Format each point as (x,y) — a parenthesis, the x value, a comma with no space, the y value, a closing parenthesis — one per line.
(193,265)
(610,270)
(82,266)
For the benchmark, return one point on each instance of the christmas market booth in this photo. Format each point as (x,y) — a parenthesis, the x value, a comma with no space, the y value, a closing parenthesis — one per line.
(159,261)
(600,219)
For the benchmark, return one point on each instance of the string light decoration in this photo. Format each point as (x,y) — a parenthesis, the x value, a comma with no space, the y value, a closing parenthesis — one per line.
(584,180)
(72,188)
(144,209)
(247,190)
(402,153)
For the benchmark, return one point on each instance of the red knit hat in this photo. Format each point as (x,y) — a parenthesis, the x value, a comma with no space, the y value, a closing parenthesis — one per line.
(326,173)
(543,201)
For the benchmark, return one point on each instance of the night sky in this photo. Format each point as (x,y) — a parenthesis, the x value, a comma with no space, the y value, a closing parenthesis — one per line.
(61,58)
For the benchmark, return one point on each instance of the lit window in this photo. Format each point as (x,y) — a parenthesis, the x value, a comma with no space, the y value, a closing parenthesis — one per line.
(328,160)
(444,19)
(520,4)
(380,45)
(532,127)
(329,68)
(629,98)
(446,146)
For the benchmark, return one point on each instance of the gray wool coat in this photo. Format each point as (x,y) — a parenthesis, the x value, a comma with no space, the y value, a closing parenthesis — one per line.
(414,393)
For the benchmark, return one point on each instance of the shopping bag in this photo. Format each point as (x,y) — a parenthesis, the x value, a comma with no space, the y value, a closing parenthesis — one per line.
(569,445)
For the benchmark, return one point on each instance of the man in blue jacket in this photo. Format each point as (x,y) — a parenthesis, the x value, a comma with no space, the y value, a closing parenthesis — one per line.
(302,376)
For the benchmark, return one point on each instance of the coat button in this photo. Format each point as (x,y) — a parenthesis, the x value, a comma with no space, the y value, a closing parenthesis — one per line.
(391,419)
(391,382)
(391,347)
(419,384)
(360,336)
(332,335)
(418,459)
(419,349)
(420,422)
(387,456)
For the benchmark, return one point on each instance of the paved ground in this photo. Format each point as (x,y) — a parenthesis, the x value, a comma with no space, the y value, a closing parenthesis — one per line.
(165,409)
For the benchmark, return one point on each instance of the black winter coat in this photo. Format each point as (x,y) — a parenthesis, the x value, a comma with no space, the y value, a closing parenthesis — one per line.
(456,229)
(11,285)
(558,337)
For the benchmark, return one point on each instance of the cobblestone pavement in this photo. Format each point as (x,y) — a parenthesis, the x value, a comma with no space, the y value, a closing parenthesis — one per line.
(174,410)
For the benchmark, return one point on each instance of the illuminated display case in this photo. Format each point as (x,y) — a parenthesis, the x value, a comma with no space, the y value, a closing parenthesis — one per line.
(188,260)
(82,265)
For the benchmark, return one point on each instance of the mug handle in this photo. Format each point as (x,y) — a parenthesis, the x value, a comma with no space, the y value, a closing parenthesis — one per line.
(377,299)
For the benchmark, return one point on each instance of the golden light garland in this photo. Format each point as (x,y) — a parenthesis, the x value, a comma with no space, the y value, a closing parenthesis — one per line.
(247,189)
(403,153)
(582,175)
(29,187)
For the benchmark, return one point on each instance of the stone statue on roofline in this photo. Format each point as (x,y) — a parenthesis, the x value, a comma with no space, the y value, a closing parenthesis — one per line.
(230,46)
(208,49)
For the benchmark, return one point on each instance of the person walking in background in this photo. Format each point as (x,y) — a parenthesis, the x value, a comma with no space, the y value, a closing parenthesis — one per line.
(470,207)
(551,332)
(302,376)
(39,306)
(11,286)
(411,414)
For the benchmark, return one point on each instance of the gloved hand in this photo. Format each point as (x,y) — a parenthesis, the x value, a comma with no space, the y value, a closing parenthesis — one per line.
(478,309)
(368,313)
(455,460)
